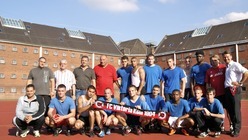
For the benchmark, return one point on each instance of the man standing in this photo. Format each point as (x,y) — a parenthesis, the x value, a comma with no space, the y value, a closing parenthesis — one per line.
(153,73)
(85,76)
(30,111)
(105,76)
(43,79)
(235,76)
(66,77)
(124,74)
(172,78)
(187,69)
(138,76)
(198,72)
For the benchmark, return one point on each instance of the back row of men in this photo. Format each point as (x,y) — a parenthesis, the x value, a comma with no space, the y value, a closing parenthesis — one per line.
(226,81)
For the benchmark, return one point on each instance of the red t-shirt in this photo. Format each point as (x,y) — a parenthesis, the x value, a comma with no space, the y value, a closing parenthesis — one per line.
(216,78)
(105,77)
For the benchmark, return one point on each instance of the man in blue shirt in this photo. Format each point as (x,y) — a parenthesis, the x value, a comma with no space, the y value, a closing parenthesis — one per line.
(198,72)
(133,100)
(212,113)
(172,78)
(178,109)
(65,109)
(153,73)
(124,73)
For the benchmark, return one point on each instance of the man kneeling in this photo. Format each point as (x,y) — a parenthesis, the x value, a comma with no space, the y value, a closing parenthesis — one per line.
(64,107)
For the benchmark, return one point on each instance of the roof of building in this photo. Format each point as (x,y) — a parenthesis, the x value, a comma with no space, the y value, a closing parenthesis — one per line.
(17,31)
(207,37)
(133,47)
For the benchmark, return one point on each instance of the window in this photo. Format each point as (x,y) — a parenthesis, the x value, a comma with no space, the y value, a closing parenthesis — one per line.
(201,31)
(24,90)
(242,48)
(13,76)
(25,50)
(55,65)
(14,49)
(221,50)
(1,90)
(232,49)
(111,59)
(97,57)
(163,59)
(2,47)
(35,63)
(89,56)
(14,62)
(81,55)
(2,60)
(12,23)
(179,56)
(75,34)
(119,62)
(64,54)
(55,53)
(211,52)
(13,90)
(72,67)
(2,76)
(25,63)
(36,51)
(142,61)
(242,61)
(72,55)
(45,51)
(24,76)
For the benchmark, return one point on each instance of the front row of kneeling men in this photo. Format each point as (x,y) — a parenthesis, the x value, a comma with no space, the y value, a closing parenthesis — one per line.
(198,113)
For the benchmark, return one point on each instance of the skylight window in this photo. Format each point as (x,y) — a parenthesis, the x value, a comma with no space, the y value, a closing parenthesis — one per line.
(201,31)
(76,34)
(12,23)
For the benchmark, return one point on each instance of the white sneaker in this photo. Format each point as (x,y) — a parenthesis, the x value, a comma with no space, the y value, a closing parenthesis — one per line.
(108,132)
(36,133)
(24,133)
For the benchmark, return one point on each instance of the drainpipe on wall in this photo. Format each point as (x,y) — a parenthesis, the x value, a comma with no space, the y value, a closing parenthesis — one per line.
(40,54)
(237,52)
(93,60)
(175,58)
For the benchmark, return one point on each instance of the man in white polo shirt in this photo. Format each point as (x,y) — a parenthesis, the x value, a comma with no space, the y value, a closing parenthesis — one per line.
(66,77)
(235,76)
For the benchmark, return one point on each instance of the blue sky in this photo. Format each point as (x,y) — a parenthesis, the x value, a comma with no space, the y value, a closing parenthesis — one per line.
(148,20)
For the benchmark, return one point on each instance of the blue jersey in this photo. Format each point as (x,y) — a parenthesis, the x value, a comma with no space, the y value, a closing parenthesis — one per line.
(153,75)
(193,103)
(172,79)
(155,104)
(125,74)
(198,73)
(177,110)
(109,112)
(139,102)
(215,107)
(62,108)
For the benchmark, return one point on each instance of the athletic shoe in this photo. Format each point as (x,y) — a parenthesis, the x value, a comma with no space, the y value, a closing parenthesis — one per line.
(68,132)
(81,131)
(108,132)
(126,130)
(172,132)
(203,135)
(57,131)
(139,130)
(184,132)
(17,133)
(231,128)
(36,133)
(49,129)
(24,133)
(101,134)
(217,134)
(91,134)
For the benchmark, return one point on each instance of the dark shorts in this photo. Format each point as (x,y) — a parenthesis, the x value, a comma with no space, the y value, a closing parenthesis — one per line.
(85,120)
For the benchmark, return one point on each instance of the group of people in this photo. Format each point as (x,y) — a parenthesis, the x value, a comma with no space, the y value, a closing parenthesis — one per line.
(193,97)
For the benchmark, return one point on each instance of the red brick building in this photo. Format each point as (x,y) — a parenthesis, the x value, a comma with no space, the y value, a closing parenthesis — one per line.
(22,43)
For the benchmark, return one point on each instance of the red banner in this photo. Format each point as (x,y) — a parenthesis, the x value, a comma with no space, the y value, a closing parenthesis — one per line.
(131,110)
